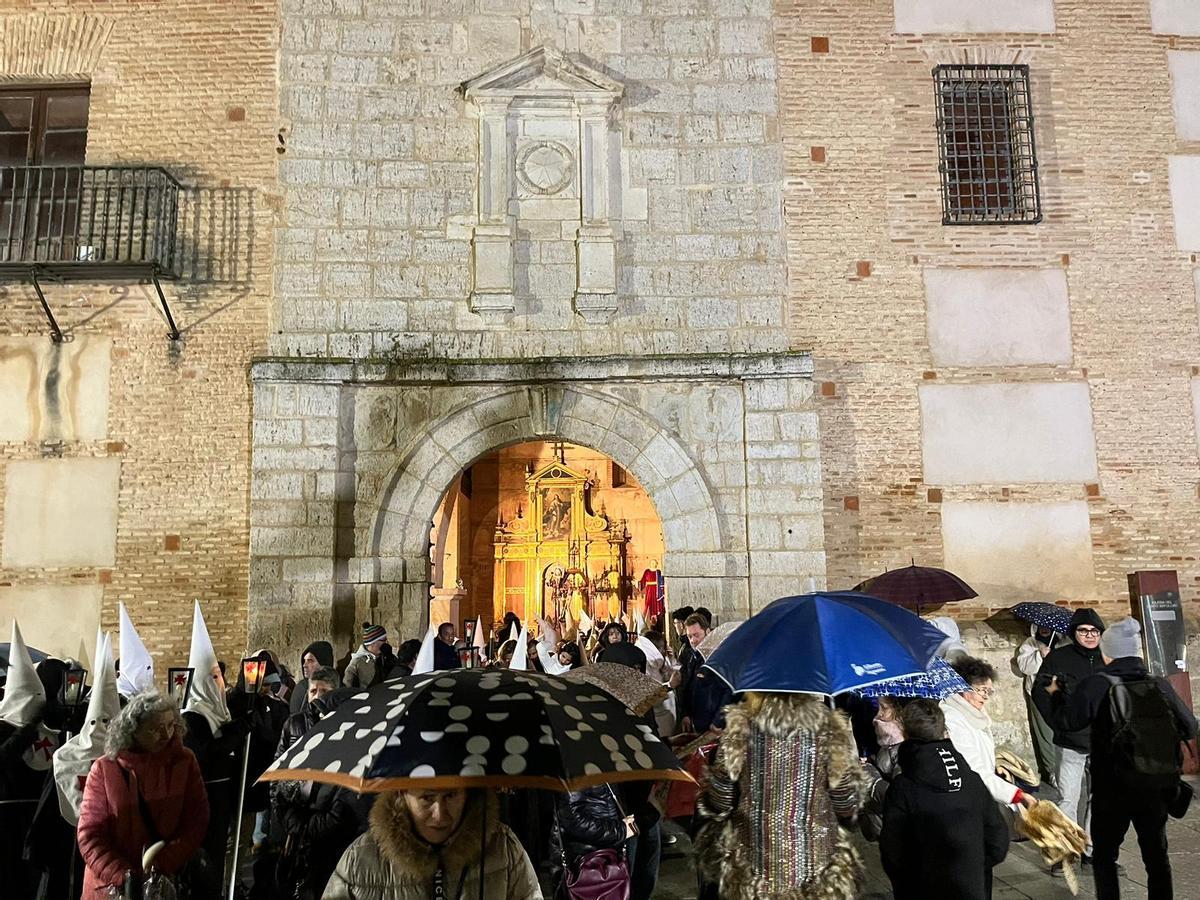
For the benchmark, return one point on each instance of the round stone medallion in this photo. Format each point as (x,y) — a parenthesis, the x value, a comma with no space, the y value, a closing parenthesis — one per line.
(545,167)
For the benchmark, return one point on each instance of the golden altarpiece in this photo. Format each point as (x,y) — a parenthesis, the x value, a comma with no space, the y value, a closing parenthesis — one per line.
(557,555)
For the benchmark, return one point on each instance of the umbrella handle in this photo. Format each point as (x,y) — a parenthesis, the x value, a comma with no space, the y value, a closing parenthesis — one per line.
(483,843)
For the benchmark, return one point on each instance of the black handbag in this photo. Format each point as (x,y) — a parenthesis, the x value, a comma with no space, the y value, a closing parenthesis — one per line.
(1178,806)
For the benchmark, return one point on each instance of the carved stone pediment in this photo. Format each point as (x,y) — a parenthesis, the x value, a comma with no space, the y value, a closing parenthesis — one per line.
(543,156)
(543,74)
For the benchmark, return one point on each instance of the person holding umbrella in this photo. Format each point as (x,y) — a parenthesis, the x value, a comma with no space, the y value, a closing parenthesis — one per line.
(787,774)
(429,742)
(1047,625)
(1067,666)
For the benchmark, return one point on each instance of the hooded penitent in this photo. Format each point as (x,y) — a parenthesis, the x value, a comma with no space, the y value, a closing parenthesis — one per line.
(424,663)
(137,668)
(207,699)
(24,697)
(74,758)
(520,657)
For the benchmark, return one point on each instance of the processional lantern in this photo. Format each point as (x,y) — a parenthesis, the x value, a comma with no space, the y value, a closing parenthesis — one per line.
(254,670)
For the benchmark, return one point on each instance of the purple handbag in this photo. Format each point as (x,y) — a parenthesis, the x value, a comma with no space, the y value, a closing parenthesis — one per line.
(601,875)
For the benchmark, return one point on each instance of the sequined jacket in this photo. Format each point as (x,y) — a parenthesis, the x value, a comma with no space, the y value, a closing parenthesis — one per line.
(786,775)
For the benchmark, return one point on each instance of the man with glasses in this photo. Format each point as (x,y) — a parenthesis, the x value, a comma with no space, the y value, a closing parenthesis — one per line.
(1068,666)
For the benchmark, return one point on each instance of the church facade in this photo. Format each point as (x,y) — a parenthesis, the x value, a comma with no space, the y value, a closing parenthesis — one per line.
(837,287)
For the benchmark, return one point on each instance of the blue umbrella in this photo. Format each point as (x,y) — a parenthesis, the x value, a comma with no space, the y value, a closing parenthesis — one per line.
(938,682)
(825,643)
(1044,615)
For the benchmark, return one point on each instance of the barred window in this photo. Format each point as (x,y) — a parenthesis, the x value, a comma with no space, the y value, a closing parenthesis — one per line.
(985,131)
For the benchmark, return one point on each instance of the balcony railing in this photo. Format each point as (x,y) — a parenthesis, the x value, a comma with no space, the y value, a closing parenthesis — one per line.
(89,219)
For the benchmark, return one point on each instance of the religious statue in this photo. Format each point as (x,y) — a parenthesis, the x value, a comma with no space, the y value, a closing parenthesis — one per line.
(653,593)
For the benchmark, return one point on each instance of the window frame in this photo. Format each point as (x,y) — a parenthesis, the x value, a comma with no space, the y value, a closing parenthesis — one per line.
(1002,185)
(39,114)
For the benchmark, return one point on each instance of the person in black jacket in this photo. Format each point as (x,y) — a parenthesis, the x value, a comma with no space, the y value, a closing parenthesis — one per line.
(942,832)
(444,654)
(1068,666)
(317,655)
(584,822)
(1121,797)
(312,824)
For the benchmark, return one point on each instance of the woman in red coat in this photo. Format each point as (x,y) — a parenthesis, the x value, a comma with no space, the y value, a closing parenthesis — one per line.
(144,755)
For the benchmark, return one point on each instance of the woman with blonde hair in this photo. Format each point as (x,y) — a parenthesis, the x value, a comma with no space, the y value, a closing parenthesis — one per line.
(433,843)
(146,788)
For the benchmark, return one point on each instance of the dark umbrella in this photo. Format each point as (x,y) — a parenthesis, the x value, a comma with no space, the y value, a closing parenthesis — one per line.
(917,586)
(36,655)
(827,643)
(1044,615)
(471,728)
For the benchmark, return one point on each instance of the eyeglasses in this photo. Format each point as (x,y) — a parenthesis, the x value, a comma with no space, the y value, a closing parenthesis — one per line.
(985,693)
(1090,632)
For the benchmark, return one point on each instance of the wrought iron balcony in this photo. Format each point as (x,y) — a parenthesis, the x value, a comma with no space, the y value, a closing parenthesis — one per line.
(84,221)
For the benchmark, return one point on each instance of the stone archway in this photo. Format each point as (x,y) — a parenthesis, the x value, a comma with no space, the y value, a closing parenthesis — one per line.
(415,487)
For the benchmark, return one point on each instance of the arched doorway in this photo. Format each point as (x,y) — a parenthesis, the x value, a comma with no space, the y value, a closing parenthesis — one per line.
(546,529)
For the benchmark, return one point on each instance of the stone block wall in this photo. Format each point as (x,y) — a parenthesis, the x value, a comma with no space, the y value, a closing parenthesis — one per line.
(383,158)
(126,458)
(351,463)
(1076,338)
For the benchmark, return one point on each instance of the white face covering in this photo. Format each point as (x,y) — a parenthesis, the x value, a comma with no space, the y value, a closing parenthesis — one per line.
(74,758)
(207,697)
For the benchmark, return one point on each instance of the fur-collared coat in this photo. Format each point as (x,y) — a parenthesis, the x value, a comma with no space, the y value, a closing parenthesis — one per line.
(786,772)
(391,862)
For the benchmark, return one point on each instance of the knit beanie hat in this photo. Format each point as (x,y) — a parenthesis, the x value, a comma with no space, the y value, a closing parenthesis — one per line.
(1121,639)
(373,633)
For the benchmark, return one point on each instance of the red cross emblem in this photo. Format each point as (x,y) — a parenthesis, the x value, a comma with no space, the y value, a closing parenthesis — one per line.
(180,679)
(45,745)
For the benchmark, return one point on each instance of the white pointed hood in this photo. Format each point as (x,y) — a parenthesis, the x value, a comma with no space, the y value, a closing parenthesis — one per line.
(423,664)
(585,621)
(547,637)
(24,697)
(520,657)
(74,758)
(480,642)
(137,667)
(207,697)
(513,632)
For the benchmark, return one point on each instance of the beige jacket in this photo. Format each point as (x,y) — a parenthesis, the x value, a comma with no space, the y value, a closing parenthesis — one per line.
(390,862)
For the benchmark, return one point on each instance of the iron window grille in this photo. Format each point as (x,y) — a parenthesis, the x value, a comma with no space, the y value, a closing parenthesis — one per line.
(989,171)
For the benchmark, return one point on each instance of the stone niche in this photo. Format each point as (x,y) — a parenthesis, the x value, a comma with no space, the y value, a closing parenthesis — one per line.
(1175,17)
(998,317)
(1185,92)
(1026,433)
(54,391)
(1185,200)
(974,16)
(44,498)
(1020,551)
(544,172)
(60,619)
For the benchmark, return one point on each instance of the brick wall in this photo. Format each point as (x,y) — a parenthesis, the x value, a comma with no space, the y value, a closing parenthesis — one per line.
(190,86)
(861,157)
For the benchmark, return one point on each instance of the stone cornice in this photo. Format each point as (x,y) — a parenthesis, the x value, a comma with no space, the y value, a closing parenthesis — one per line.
(533,371)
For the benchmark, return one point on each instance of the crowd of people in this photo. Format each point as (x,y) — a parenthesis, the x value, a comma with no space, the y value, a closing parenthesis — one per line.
(149,786)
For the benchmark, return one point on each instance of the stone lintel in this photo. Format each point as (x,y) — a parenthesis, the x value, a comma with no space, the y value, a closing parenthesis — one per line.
(732,366)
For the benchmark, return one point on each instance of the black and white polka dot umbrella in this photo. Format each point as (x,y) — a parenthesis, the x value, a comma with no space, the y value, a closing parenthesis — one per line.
(478,728)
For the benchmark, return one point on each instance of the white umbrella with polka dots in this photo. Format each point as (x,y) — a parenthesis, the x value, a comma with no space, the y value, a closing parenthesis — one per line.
(475,728)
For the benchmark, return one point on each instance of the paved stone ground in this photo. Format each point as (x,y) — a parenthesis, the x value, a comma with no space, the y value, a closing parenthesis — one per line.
(1022,875)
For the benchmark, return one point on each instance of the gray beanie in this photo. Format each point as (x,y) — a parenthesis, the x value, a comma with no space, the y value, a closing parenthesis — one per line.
(1121,639)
